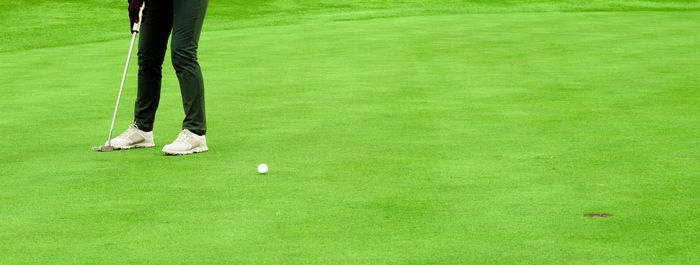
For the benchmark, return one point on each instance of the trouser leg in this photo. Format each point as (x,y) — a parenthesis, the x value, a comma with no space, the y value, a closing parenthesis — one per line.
(188,17)
(153,42)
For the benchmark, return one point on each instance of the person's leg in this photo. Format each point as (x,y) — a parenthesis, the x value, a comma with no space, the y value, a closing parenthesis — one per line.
(153,42)
(188,17)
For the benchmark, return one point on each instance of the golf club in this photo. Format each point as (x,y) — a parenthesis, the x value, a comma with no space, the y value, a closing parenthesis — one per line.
(134,30)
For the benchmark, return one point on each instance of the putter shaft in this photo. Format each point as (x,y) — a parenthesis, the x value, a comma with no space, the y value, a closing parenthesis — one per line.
(121,88)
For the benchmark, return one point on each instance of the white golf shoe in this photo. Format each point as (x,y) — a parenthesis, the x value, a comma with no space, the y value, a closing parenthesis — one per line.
(133,137)
(186,143)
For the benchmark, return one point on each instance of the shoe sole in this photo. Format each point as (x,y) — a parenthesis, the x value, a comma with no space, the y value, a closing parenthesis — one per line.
(179,153)
(142,145)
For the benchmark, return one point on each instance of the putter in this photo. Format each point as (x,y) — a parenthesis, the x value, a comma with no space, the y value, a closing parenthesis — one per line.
(135,30)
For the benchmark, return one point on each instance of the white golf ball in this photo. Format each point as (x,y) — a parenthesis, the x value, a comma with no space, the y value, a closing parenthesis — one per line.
(262,169)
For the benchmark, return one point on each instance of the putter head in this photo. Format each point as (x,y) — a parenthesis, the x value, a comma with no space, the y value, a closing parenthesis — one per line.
(104,148)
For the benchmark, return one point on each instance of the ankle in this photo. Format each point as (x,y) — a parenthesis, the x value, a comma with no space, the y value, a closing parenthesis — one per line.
(197,132)
(144,127)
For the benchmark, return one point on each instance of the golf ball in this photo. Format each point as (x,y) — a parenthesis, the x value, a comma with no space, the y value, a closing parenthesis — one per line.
(262,169)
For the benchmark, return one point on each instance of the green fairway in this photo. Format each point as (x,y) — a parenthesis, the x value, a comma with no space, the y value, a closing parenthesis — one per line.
(435,132)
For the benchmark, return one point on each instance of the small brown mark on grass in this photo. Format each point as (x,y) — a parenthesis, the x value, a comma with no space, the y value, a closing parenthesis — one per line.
(597,215)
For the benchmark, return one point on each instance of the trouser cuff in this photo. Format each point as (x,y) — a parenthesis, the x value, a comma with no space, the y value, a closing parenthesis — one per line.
(144,127)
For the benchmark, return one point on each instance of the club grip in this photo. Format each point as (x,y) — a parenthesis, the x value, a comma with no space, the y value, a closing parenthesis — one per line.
(137,25)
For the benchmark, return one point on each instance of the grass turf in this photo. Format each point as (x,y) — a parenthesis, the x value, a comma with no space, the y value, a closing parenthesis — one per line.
(438,137)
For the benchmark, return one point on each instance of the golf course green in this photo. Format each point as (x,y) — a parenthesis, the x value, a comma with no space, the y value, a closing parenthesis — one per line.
(396,132)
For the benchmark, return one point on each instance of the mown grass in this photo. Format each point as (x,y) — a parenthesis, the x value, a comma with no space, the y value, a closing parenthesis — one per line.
(420,136)
(45,23)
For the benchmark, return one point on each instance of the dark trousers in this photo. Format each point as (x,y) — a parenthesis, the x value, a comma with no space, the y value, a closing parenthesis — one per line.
(184,19)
